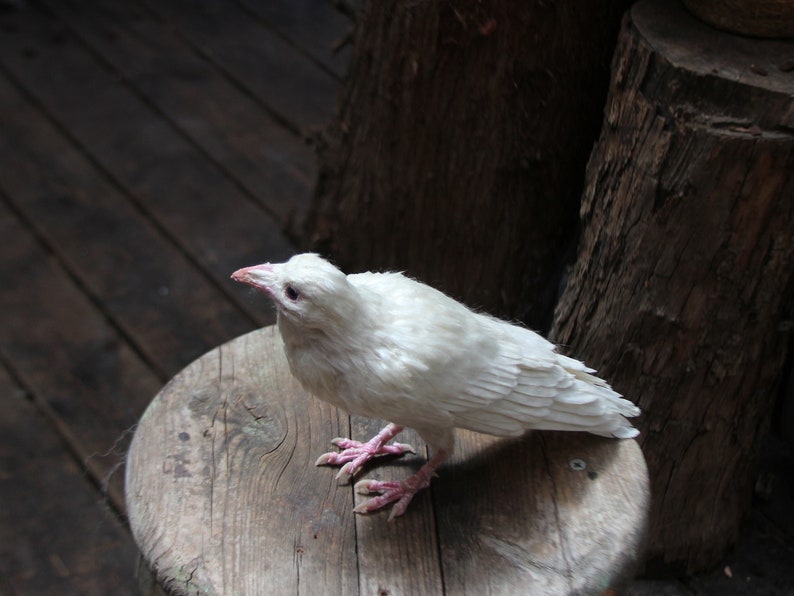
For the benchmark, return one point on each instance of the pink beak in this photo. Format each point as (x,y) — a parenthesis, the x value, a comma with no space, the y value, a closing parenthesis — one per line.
(258,276)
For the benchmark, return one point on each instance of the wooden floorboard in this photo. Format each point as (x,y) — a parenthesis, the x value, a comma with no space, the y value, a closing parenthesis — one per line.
(272,166)
(57,535)
(146,283)
(147,150)
(313,26)
(286,82)
(80,370)
(200,208)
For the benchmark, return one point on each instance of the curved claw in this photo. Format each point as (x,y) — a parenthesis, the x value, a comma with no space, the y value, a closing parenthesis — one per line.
(366,487)
(323,459)
(403,447)
(348,470)
(344,443)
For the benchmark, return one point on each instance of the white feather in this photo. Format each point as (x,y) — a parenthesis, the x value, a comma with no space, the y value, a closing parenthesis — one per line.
(383,345)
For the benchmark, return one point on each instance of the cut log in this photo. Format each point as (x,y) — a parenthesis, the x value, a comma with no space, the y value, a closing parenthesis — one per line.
(224,498)
(685,274)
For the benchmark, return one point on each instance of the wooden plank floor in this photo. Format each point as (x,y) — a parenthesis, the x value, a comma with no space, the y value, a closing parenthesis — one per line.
(147,150)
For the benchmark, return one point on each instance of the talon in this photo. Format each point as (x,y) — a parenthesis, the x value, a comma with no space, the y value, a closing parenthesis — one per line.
(373,504)
(345,472)
(398,509)
(362,487)
(323,459)
(362,508)
(405,447)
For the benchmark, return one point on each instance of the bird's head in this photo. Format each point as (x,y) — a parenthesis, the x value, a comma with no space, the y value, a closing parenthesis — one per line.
(307,290)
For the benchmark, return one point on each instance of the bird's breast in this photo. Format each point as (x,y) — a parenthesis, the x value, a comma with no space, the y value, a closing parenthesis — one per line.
(326,373)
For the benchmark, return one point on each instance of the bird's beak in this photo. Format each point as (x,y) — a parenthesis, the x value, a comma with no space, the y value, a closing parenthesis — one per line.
(258,276)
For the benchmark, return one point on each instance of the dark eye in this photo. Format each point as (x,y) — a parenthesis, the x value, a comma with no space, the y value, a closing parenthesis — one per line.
(292,293)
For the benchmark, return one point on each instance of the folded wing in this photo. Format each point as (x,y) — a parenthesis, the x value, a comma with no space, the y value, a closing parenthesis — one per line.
(528,385)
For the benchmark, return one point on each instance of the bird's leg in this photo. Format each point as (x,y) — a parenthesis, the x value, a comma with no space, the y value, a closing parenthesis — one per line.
(355,454)
(401,491)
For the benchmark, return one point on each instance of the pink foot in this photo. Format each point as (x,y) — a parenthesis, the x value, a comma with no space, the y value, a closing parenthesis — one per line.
(355,454)
(401,491)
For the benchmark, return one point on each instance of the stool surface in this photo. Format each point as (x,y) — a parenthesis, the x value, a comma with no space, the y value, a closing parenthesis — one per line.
(224,498)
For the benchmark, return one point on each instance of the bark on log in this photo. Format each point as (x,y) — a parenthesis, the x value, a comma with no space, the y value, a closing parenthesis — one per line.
(685,275)
(459,151)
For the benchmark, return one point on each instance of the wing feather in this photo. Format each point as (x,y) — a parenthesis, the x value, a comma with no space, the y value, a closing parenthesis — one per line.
(529,385)
(478,372)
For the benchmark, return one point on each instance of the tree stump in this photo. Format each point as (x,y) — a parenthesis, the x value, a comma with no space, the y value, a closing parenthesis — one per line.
(685,277)
(458,152)
(224,498)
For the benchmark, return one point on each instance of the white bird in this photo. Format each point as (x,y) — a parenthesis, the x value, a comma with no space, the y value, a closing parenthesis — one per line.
(385,346)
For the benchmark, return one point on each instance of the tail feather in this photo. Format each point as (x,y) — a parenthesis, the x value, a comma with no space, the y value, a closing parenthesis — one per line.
(595,406)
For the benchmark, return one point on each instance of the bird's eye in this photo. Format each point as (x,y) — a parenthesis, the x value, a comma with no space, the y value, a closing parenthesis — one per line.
(292,293)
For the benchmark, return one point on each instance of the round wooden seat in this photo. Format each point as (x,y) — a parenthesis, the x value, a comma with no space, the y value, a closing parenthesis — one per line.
(224,497)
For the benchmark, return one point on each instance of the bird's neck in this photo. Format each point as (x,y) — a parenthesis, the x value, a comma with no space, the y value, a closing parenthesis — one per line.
(298,336)
(293,335)
(319,361)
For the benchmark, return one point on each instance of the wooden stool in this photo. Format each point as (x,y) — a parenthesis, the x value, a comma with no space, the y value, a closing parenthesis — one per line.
(224,498)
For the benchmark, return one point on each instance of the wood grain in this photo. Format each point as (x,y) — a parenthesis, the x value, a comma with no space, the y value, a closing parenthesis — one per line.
(757,18)
(287,82)
(682,291)
(68,544)
(314,26)
(401,556)
(119,255)
(271,165)
(126,197)
(221,483)
(80,370)
(159,173)
(223,497)
(516,516)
